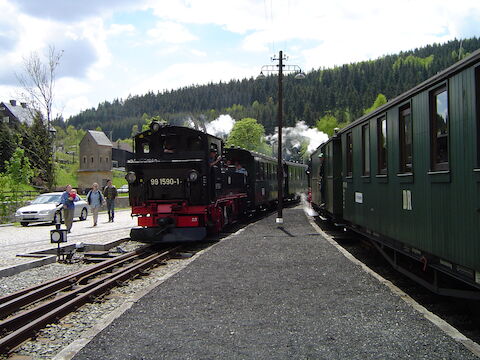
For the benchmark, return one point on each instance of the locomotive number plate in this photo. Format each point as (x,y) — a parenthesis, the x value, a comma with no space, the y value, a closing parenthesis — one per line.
(165,181)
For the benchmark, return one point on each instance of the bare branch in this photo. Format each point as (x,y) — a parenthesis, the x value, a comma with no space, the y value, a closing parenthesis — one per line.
(38,80)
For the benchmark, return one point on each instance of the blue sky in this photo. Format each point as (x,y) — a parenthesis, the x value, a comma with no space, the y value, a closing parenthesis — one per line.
(113,48)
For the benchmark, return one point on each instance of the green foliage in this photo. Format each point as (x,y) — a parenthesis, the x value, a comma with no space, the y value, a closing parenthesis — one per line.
(134,131)
(18,167)
(460,54)
(264,148)
(66,174)
(413,61)
(246,133)
(68,139)
(344,91)
(38,145)
(148,120)
(379,101)
(119,178)
(7,144)
(327,124)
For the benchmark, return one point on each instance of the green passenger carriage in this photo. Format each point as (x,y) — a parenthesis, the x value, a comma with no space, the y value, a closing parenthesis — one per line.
(407,175)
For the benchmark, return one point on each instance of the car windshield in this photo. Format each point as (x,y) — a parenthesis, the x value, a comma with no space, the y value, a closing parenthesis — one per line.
(47,199)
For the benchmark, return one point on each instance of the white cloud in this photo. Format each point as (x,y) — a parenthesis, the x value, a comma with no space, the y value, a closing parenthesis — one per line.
(198,53)
(67,11)
(234,16)
(185,74)
(170,32)
(121,29)
(230,40)
(74,105)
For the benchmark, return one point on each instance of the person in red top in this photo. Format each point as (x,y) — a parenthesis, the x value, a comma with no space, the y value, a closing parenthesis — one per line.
(68,199)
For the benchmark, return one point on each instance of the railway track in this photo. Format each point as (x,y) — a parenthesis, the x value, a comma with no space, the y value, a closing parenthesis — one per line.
(27,311)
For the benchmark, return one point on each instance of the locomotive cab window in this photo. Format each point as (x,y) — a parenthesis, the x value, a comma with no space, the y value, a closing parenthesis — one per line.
(169,144)
(439,129)
(405,141)
(382,145)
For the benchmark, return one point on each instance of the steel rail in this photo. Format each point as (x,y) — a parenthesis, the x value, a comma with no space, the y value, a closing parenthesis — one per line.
(35,319)
(13,302)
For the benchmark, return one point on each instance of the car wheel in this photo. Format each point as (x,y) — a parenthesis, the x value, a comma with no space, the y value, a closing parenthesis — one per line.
(83,215)
(23,223)
(57,217)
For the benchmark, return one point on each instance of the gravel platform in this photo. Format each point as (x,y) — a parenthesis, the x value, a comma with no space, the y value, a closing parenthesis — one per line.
(272,293)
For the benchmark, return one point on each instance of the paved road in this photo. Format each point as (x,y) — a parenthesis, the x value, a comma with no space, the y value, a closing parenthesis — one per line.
(17,239)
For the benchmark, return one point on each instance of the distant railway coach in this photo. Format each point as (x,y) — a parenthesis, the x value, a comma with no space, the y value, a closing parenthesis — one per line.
(407,175)
(184,185)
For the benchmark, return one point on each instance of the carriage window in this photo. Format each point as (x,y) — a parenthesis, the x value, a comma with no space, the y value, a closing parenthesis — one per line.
(349,151)
(382,145)
(328,159)
(405,132)
(439,129)
(366,150)
(477,110)
(261,170)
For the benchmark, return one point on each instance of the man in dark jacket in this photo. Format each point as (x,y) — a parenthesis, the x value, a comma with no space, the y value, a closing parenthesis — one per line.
(110,193)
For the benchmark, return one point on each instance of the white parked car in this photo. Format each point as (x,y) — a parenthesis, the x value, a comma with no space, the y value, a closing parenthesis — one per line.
(47,208)
(123,189)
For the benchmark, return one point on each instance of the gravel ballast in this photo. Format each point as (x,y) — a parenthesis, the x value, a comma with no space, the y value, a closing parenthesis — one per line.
(273,293)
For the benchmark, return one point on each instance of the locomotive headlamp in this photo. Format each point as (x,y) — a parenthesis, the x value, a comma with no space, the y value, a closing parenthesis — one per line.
(193,176)
(155,126)
(130,177)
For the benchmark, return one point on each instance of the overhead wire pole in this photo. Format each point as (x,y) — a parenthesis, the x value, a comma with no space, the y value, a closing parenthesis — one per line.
(279,219)
(281,68)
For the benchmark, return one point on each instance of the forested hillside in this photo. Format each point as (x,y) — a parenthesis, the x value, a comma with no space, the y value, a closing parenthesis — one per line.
(344,91)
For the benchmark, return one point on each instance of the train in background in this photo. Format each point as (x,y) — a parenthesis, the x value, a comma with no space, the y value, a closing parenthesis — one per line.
(180,192)
(407,176)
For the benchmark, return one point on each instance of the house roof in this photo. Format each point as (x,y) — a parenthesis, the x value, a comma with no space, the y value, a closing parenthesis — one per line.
(122,146)
(100,138)
(22,114)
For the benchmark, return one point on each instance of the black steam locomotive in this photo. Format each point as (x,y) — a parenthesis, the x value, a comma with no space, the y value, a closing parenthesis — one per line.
(183,184)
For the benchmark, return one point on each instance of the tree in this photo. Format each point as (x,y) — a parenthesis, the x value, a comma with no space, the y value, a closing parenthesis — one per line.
(379,101)
(246,133)
(18,167)
(38,81)
(38,146)
(7,144)
(327,124)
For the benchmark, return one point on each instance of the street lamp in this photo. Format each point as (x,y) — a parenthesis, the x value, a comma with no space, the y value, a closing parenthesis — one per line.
(281,68)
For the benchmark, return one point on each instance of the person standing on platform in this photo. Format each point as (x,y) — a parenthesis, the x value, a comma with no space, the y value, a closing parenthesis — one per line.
(110,193)
(68,199)
(95,199)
